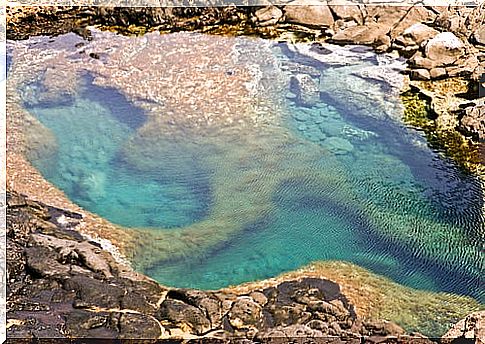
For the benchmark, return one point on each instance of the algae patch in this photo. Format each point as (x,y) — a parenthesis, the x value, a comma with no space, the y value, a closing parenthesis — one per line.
(418,113)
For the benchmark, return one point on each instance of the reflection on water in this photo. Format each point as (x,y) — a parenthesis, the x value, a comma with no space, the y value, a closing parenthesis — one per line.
(221,201)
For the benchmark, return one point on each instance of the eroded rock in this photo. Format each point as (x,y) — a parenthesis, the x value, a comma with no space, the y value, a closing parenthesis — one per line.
(312,13)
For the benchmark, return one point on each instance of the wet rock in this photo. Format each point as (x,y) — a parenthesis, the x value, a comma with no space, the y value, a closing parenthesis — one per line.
(306,90)
(269,15)
(445,48)
(312,13)
(320,49)
(298,68)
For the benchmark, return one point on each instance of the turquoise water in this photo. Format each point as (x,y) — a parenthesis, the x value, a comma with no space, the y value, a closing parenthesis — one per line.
(324,183)
(97,179)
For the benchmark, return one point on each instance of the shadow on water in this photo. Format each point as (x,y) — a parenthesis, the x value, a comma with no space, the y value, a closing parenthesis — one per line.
(448,188)
(92,128)
(122,109)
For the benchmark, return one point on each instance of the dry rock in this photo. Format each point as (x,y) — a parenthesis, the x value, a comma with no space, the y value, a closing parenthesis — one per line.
(269,15)
(312,13)
(445,48)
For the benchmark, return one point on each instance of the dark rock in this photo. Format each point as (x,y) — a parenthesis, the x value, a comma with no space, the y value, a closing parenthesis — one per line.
(319,48)
(244,314)
(420,74)
(182,314)
(136,326)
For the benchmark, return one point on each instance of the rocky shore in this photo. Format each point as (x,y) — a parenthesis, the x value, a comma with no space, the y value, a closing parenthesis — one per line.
(61,285)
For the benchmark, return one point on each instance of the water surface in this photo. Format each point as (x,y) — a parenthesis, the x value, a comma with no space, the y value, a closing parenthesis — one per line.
(226,197)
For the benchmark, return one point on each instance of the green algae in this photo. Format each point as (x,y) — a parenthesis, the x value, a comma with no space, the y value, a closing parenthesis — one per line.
(418,113)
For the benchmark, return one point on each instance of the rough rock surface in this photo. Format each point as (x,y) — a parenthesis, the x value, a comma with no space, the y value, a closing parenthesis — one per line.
(445,48)
(312,13)
(61,285)
(468,329)
(473,120)
(266,16)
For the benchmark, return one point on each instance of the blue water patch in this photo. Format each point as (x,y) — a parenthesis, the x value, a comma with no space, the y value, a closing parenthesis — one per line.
(90,130)
(338,179)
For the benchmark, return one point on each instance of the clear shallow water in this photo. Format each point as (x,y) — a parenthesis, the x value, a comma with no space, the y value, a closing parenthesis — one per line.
(97,179)
(320,183)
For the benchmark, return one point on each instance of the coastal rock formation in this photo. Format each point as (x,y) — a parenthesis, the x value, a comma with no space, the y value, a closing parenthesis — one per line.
(468,329)
(61,285)
(267,16)
(312,13)
(473,120)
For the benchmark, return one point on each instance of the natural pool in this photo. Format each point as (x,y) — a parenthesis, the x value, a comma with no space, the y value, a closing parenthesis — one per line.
(238,159)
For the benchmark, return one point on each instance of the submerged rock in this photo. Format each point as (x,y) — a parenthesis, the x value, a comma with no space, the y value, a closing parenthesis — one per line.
(306,90)
(338,145)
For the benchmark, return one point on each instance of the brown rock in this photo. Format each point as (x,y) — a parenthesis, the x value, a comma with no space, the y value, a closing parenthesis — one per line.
(417,34)
(436,73)
(184,315)
(473,121)
(471,328)
(418,61)
(360,34)
(312,13)
(420,74)
(478,36)
(346,12)
(445,48)
(245,313)
(268,15)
